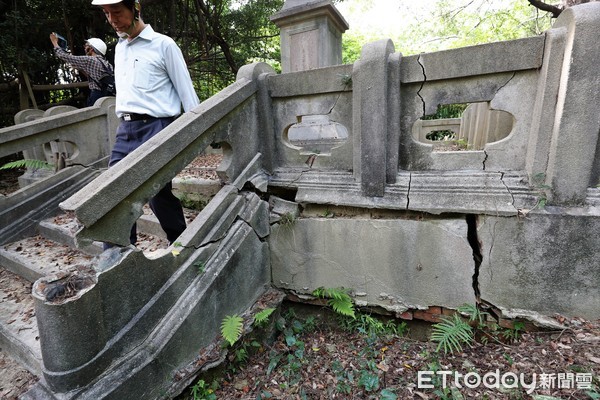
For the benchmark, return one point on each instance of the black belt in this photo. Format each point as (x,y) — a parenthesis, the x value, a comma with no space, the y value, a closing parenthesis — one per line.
(136,117)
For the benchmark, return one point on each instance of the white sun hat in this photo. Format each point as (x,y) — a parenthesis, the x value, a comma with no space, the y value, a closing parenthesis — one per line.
(104,2)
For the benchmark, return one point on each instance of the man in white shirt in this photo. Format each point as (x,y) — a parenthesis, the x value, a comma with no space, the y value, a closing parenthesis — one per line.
(153,83)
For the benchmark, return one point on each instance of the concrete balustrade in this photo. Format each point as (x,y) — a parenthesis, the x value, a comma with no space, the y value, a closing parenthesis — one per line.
(381,213)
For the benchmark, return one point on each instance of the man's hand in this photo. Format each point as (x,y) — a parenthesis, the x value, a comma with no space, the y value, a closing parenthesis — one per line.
(54,39)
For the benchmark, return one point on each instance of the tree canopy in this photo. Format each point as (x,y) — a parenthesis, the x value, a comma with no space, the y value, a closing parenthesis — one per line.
(217,37)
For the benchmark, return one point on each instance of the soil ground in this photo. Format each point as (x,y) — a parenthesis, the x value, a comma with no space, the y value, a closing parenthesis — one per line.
(315,359)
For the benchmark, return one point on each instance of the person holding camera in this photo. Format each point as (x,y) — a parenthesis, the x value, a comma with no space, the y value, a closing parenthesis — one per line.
(94,65)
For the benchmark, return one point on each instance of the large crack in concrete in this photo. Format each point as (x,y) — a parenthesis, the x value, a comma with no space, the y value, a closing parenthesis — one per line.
(422,83)
(475,244)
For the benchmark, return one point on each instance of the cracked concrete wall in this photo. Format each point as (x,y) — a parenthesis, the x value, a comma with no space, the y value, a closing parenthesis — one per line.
(546,262)
(507,77)
(550,87)
(396,264)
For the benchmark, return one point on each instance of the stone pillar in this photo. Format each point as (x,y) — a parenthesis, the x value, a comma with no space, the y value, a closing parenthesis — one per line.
(575,147)
(373,146)
(311,34)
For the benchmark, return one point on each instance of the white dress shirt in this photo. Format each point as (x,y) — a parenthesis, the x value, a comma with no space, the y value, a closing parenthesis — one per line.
(151,76)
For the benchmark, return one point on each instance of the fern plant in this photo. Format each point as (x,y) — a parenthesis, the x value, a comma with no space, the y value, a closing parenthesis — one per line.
(338,299)
(474,313)
(33,164)
(231,328)
(262,316)
(451,334)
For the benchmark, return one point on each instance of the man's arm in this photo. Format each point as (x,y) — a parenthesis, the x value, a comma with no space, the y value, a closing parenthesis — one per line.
(80,62)
(180,76)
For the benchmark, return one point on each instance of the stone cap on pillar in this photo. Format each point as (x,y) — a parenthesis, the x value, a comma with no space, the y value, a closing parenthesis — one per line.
(311,34)
(294,11)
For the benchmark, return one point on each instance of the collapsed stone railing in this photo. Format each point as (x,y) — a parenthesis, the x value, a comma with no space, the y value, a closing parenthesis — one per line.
(163,308)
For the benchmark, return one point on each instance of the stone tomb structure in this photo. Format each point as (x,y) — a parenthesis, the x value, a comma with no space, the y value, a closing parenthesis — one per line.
(326,186)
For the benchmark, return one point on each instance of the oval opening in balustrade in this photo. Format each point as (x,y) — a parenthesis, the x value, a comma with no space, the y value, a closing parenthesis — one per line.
(315,135)
(463,127)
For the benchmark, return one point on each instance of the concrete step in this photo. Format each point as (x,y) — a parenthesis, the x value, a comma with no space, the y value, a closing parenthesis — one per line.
(18,325)
(24,261)
(36,256)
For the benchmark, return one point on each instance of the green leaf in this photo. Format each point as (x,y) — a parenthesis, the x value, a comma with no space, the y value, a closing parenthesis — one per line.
(343,306)
(451,334)
(387,394)
(35,164)
(261,317)
(369,381)
(339,300)
(231,328)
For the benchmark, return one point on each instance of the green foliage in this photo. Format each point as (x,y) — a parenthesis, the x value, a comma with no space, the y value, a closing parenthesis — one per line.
(445,111)
(202,391)
(538,183)
(388,394)
(201,267)
(448,24)
(445,134)
(231,328)
(190,203)
(474,313)
(372,326)
(344,378)
(369,380)
(34,164)
(262,316)
(288,219)
(513,334)
(451,334)
(339,300)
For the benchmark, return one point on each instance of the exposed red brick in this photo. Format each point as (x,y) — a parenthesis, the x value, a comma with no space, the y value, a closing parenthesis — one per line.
(426,316)
(408,315)
(435,310)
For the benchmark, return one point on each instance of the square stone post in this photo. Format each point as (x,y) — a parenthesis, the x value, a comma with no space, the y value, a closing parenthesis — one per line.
(311,34)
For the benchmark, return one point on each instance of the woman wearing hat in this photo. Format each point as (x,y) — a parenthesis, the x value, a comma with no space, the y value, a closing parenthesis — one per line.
(94,65)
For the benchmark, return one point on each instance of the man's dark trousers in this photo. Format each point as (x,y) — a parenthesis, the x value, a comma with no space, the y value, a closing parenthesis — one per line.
(165,205)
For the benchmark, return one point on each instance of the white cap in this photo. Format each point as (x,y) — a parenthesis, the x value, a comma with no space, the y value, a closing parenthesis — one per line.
(103,2)
(98,45)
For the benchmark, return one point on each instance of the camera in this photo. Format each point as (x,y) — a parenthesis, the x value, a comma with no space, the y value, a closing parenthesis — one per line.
(62,42)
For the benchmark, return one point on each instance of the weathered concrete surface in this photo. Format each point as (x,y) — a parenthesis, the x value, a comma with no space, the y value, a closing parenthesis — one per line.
(225,238)
(392,263)
(545,263)
(22,210)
